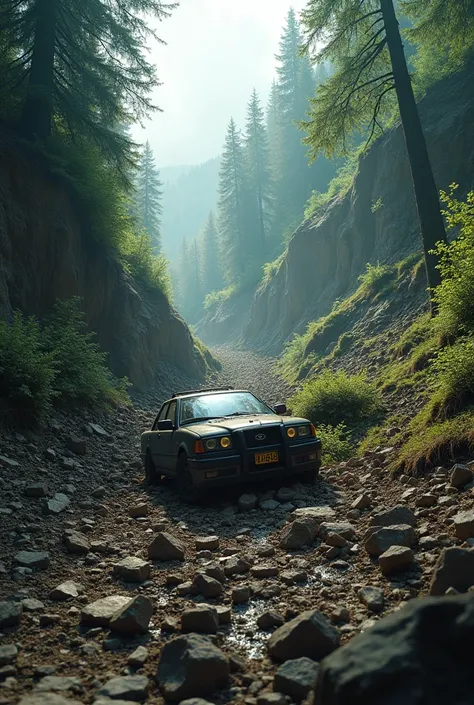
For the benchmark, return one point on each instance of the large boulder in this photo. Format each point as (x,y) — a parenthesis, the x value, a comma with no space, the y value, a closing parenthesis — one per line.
(455,568)
(310,634)
(401,514)
(379,540)
(191,666)
(415,656)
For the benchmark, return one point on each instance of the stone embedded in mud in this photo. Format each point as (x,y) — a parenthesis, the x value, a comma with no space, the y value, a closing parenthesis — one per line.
(207,543)
(37,490)
(166,547)
(132,569)
(268,620)
(296,678)
(363,501)
(264,571)
(134,617)
(314,516)
(77,445)
(247,502)
(396,559)
(201,619)
(33,559)
(415,655)
(310,634)
(236,566)
(191,666)
(76,542)
(100,612)
(455,568)
(138,510)
(401,514)
(372,597)
(461,475)
(342,528)
(134,688)
(56,504)
(464,525)
(241,594)
(379,539)
(296,535)
(207,586)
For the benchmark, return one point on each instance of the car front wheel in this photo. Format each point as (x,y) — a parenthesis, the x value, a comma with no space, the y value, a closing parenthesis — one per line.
(188,492)
(152,477)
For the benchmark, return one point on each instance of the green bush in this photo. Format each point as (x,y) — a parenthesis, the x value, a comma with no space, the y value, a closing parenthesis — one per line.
(455,295)
(216,298)
(336,443)
(334,398)
(55,363)
(27,372)
(452,379)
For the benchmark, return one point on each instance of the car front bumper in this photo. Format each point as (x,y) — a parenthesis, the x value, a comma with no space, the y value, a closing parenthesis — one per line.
(232,469)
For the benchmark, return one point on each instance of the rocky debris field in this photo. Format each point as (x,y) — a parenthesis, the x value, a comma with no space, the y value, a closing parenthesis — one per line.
(113,592)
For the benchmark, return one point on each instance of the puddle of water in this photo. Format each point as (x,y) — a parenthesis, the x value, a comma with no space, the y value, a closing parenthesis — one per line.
(243,634)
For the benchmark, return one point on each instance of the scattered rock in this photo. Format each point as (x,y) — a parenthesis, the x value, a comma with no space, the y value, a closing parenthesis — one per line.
(138,510)
(272,699)
(134,688)
(59,684)
(207,586)
(455,568)
(33,559)
(134,617)
(296,678)
(236,566)
(77,445)
(268,620)
(342,528)
(269,504)
(240,594)
(296,535)
(363,501)
(247,502)
(37,490)
(201,618)
(264,571)
(65,591)
(191,666)
(132,569)
(8,654)
(400,514)
(411,656)
(396,559)
(461,475)
(100,612)
(207,543)
(310,634)
(56,504)
(464,525)
(379,540)
(372,597)
(426,500)
(166,547)
(47,699)
(138,658)
(76,542)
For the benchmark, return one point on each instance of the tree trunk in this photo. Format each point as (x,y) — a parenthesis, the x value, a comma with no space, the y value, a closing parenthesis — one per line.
(426,192)
(37,112)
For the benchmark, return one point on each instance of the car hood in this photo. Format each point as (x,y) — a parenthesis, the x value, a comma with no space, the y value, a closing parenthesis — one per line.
(239,423)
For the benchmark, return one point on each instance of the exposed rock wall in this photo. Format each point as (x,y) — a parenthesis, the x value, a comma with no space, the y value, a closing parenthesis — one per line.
(46,254)
(327,254)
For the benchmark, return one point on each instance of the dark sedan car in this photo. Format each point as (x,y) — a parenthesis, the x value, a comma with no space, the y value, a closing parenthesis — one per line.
(217,437)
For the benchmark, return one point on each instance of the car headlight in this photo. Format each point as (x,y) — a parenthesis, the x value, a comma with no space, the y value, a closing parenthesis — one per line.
(303,431)
(210,444)
(291,432)
(215,443)
(226,442)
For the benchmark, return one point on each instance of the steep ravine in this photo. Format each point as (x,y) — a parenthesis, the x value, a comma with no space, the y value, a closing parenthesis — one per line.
(46,253)
(327,254)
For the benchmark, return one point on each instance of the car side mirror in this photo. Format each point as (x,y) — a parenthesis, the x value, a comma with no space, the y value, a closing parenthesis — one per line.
(165,425)
(280,409)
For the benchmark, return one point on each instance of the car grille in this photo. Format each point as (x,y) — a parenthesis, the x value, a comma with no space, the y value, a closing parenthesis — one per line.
(262,436)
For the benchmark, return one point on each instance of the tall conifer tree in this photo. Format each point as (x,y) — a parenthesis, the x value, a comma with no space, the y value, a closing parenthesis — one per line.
(256,144)
(211,265)
(149,195)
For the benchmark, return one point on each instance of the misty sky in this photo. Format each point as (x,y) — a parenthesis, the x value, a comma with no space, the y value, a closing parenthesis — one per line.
(217,51)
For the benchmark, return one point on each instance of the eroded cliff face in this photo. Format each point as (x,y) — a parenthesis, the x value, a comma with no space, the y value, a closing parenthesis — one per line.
(47,254)
(327,254)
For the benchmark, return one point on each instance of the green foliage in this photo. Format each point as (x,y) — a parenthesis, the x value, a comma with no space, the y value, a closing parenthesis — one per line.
(271,268)
(27,372)
(455,295)
(336,443)
(334,398)
(451,377)
(56,363)
(149,197)
(211,270)
(216,298)
(338,186)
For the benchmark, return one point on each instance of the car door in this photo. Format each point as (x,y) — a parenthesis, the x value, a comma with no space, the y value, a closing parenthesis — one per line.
(156,439)
(167,440)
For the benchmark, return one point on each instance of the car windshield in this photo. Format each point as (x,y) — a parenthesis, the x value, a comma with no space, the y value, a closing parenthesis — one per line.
(215,406)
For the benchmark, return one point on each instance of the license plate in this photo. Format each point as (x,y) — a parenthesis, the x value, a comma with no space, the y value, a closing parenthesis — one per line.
(264,458)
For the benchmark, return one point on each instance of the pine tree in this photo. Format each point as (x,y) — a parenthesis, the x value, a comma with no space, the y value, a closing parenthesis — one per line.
(211,273)
(256,145)
(80,67)
(363,40)
(232,212)
(189,281)
(149,197)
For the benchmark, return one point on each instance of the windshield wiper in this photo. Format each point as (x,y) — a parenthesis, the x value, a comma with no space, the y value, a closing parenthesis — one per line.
(240,413)
(198,418)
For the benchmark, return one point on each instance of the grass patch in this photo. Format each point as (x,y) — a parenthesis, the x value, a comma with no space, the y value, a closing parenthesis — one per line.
(336,443)
(54,363)
(217,298)
(335,397)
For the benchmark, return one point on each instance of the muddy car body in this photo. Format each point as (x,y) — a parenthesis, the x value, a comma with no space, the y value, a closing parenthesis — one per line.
(221,437)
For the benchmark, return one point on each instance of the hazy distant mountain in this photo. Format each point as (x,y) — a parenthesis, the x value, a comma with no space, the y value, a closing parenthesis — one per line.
(189,193)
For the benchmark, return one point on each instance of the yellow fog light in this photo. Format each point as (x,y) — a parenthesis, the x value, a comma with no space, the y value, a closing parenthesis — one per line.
(226,442)
(291,432)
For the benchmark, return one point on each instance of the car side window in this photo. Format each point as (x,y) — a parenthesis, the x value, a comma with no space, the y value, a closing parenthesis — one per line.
(171,415)
(161,416)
